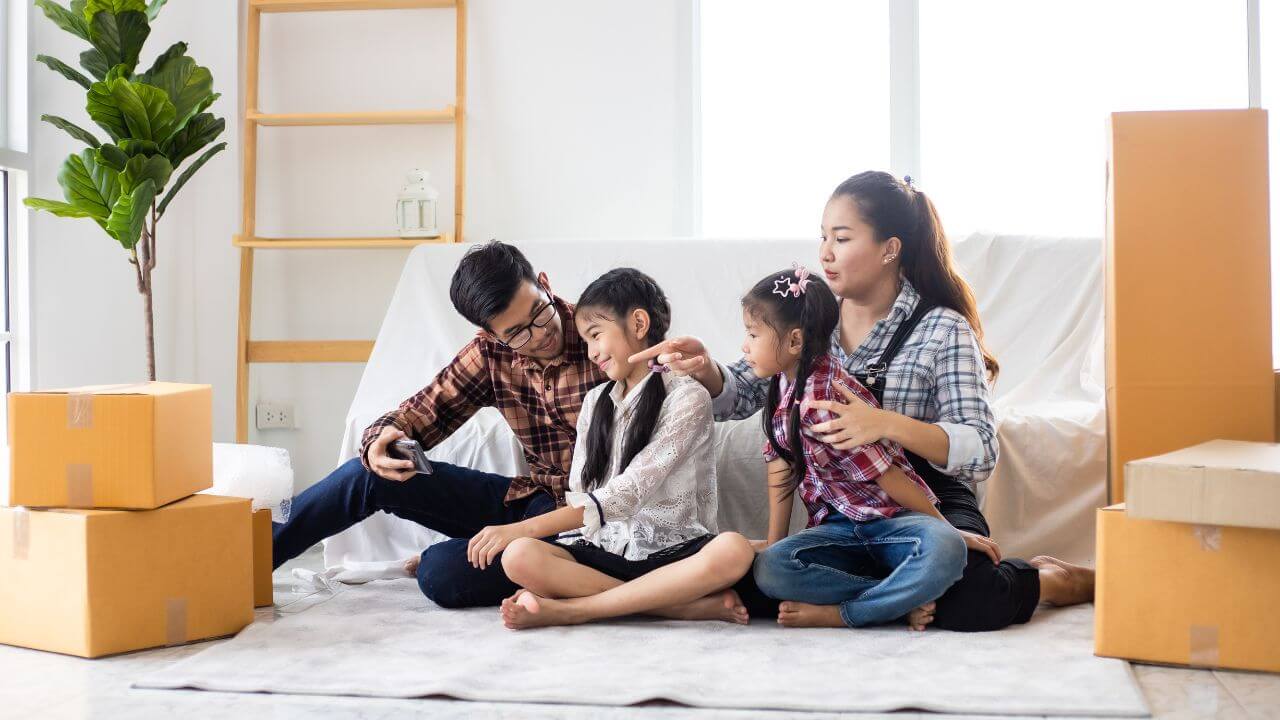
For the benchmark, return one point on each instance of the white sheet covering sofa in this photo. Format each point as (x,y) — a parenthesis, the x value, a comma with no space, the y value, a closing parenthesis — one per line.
(1040,300)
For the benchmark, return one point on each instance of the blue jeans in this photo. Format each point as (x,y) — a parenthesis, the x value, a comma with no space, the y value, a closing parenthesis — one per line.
(876,571)
(455,501)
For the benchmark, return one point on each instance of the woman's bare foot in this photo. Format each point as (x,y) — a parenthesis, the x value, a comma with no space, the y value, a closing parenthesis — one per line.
(525,610)
(725,606)
(798,614)
(411,565)
(920,618)
(1062,583)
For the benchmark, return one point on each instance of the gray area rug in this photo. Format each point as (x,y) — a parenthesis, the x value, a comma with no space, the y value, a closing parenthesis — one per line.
(385,640)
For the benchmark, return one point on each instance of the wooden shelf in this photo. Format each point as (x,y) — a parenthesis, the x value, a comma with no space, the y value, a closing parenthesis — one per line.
(263,243)
(322,5)
(309,351)
(385,117)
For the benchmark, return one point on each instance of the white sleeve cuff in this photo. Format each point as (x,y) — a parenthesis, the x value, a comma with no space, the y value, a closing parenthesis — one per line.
(591,511)
(964,447)
(722,405)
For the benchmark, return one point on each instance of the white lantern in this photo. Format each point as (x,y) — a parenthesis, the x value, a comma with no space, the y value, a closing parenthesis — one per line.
(416,207)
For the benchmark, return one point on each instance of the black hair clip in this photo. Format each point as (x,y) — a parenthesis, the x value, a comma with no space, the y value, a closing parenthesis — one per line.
(910,183)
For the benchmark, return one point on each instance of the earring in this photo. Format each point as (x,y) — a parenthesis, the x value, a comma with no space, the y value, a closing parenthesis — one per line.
(889,258)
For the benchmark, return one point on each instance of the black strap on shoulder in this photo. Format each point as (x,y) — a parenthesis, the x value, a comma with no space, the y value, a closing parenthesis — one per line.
(873,375)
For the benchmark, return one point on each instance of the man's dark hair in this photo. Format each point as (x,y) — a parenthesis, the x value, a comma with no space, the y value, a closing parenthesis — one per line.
(487,279)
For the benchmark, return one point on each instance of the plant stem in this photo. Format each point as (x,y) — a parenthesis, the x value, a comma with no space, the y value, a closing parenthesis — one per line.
(146,262)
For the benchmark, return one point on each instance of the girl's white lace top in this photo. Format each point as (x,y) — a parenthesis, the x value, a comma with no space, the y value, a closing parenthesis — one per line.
(667,494)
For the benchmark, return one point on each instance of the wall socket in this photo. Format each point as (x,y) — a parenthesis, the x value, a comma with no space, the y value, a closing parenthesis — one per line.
(274,416)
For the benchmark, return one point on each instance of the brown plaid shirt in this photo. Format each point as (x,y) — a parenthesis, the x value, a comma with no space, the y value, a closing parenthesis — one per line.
(540,403)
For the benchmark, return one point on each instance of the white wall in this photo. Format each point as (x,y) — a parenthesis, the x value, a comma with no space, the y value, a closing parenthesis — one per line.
(578,126)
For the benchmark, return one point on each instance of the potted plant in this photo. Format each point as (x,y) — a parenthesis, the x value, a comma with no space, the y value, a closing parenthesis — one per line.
(155,121)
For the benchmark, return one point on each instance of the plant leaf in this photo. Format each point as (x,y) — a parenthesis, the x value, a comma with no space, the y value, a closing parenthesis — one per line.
(95,63)
(89,8)
(154,8)
(186,142)
(65,70)
(134,148)
(175,50)
(68,20)
(118,37)
(104,111)
(186,174)
(56,207)
(131,110)
(89,187)
(188,86)
(72,129)
(129,214)
(155,168)
(112,157)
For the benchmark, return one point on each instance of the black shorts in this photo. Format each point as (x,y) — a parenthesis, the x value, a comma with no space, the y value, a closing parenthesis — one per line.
(597,558)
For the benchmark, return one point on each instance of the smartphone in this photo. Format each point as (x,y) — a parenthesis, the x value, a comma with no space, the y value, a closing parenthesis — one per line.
(408,449)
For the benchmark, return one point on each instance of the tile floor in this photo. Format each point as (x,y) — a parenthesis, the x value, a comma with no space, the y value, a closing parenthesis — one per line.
(44,685)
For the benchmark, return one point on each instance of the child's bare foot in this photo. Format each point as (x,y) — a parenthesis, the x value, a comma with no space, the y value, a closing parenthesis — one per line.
(527,610)
(725,606)
(411,565)
(1062,583)
(798,614)
(920,618)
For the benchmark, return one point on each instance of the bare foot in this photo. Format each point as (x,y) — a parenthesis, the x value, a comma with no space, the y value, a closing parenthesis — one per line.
(1062,583)
(527,610)
(725,606)
(920,618)
(411,565)
(798,614)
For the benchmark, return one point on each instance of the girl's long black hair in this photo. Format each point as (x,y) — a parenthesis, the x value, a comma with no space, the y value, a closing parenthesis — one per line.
(815,312)
(613,296)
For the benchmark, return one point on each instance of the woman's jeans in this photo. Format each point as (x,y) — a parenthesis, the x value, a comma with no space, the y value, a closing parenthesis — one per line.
(876,571)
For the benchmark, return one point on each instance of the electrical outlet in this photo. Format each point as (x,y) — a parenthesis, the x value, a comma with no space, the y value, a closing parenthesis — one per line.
(274,417)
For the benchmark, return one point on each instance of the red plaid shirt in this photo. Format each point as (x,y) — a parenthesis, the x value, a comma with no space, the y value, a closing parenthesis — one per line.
(540,403)
(840,480)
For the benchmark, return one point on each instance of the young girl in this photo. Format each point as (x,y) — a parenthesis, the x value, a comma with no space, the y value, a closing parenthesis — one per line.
(876,549)
(642,487)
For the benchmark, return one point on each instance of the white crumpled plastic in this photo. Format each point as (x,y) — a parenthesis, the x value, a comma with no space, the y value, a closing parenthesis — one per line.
(262,474)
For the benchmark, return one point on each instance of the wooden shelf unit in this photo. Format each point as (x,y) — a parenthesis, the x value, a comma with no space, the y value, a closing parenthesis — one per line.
(326,351)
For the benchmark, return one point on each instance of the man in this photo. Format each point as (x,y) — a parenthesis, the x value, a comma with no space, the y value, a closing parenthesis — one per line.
(529,363)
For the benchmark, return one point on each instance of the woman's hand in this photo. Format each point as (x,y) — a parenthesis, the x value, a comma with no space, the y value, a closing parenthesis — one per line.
(490,541)
(981,543)
(855,424)
(685,355)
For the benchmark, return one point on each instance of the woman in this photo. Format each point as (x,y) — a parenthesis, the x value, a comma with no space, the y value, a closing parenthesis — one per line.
(884,254)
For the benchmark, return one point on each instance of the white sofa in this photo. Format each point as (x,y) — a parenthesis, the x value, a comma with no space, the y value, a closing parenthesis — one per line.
(1040,300)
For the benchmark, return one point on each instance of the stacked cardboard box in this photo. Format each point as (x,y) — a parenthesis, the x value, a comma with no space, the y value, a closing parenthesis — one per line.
(1189,569)
(112,551)
(1188,287)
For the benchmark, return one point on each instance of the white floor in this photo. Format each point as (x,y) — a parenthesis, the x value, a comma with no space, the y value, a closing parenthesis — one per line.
(44,685)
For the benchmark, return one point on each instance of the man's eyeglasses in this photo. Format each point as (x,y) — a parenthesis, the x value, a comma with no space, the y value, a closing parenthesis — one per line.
(540,320)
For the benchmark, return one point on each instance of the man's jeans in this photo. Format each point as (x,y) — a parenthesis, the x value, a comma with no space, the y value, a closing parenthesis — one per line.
(455,501)
(876,571)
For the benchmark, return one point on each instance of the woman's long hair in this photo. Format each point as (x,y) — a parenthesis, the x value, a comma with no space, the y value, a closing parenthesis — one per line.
(895,209)
(815,312)
(614,295)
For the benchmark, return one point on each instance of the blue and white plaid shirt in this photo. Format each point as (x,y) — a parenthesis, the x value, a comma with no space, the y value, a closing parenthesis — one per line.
(938,377)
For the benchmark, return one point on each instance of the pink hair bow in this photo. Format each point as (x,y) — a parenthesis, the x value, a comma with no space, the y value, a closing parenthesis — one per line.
(785,286)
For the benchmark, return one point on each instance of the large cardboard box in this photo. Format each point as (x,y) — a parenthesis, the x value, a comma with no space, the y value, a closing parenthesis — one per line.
(1183,594)
(124,446)
(263,593)
(1222,482)
(100,582)
(1188,309)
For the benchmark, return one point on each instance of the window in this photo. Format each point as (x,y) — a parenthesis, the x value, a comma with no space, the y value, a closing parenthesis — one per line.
(15,164)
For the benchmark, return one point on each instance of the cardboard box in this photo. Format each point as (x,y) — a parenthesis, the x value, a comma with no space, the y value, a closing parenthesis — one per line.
(1223,482)
(1199,595)
(263,594)
(100,582)
(125,446)
(1188,308)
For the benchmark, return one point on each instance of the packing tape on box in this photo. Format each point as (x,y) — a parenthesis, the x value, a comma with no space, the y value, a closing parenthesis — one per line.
(79,485)
(1210,537)
(1203,644)
(79,410)
(21,532)
(175,621)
